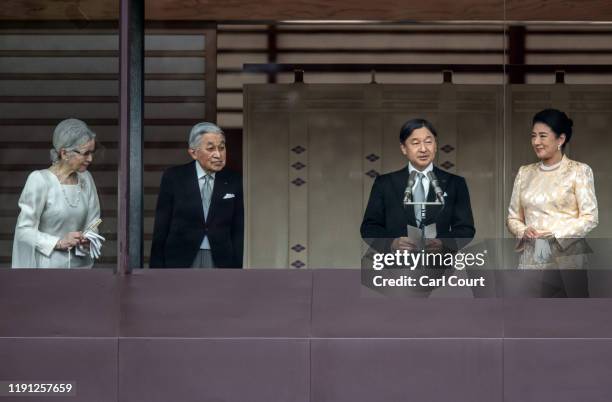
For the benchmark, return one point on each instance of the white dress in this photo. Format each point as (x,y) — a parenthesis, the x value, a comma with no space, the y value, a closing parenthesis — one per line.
(49,210)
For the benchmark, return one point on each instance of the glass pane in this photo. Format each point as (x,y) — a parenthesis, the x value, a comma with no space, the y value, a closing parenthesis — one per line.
(59,179)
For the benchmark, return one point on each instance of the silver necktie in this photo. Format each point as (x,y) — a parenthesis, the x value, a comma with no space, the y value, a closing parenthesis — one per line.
(419,196)
(206,193)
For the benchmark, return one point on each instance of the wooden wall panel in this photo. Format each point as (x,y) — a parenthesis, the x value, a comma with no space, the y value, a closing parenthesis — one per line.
(78,42)
(558,10)
(267,193)
(58,88)
(101,65)
(334,191)
(479,136)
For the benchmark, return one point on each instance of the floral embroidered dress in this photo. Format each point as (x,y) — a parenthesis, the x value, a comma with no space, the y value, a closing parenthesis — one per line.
(559,200)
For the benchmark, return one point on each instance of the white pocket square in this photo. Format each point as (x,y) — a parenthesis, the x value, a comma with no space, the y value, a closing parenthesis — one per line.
(228,196)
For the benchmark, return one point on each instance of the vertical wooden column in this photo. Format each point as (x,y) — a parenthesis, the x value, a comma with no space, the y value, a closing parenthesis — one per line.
(516,53)
(272,39)
(130,203)
(210,61)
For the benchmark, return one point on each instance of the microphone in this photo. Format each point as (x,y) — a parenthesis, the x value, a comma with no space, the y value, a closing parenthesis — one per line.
(408,191)
(436,185)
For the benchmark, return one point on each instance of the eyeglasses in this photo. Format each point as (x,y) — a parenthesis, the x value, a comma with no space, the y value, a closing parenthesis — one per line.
(86,153)
(219,148)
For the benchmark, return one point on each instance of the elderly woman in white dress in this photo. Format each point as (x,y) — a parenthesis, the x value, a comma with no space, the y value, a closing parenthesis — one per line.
(58,204)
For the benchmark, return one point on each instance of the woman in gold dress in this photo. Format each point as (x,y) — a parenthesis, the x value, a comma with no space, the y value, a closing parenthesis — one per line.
(553,205)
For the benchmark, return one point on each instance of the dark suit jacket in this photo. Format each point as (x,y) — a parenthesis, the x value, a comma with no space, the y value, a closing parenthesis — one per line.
(386,218)
(180,225)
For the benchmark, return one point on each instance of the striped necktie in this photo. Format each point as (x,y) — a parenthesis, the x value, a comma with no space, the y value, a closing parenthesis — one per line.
(207,193)
(419,196)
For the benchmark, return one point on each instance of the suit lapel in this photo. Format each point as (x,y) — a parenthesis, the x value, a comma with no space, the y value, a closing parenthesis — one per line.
(192,189)
(432,211)
(443,178)
(219,189)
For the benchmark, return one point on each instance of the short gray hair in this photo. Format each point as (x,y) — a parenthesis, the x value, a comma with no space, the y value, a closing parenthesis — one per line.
(199,130)
(70,134)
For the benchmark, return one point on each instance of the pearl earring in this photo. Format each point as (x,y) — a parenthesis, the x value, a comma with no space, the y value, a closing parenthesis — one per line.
(558,147)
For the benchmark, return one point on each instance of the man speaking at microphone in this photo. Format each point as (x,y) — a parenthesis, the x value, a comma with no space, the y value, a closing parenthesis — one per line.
(386,219)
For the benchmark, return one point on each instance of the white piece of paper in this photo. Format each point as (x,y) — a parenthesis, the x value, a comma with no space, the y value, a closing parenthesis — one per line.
(415,234)
(431,231)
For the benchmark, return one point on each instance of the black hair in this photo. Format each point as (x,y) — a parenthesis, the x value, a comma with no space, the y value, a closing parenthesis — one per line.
(558,122)
(415,124)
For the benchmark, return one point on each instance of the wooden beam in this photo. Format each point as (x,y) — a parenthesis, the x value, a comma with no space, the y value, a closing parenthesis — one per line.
(86,14)
(272,51)
(558,10)
(97,122)
(279,10)
(98,99)
(358,67)
(420,68)
(97,53)
(80,12)
(101,27)
(97,76)
(210,62)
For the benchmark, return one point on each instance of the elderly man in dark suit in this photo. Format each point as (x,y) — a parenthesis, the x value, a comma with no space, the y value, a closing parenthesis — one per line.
(199,220)
(386,219)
